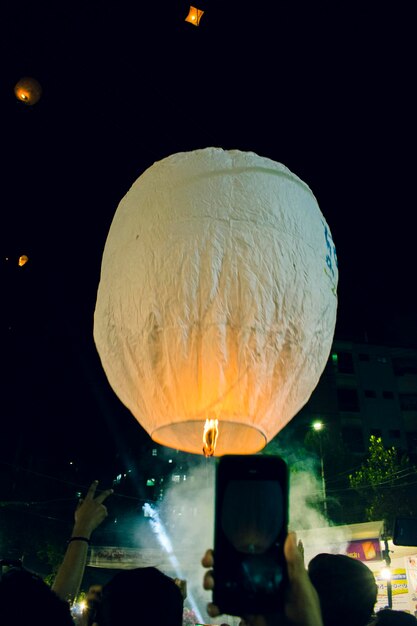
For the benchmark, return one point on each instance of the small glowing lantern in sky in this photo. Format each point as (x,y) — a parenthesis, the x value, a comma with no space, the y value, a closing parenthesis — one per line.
(28,90)
(23,259)
(217,300)
(194,16)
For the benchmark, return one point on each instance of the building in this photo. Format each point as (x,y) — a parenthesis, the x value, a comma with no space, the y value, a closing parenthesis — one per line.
(367,390)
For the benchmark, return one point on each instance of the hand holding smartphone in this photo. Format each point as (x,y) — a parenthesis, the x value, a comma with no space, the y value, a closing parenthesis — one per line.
(251,524)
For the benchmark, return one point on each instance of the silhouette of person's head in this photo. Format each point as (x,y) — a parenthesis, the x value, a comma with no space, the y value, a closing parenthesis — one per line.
(391,617)
(26,599)
(346,588)
(141,596)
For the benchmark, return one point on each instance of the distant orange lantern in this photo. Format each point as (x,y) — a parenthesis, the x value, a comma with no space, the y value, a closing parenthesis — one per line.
(23,259)
(194,16)
(28,90)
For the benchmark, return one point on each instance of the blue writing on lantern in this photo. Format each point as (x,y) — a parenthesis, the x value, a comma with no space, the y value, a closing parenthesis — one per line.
(331,257)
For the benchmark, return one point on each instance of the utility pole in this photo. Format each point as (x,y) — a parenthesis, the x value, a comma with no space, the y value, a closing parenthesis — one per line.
(387,559)
(318,427)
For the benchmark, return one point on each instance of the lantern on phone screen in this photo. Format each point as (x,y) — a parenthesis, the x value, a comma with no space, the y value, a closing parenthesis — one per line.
(217,300)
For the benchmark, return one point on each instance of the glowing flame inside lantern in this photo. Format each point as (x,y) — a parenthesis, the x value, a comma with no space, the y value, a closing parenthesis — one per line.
(211,432)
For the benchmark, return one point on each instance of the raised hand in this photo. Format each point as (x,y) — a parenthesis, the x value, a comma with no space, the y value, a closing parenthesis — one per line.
(302,605)
(90,511)
(89,514)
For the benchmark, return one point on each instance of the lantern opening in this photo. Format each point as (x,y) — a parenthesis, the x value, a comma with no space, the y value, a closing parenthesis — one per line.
(235,437)
(210,435)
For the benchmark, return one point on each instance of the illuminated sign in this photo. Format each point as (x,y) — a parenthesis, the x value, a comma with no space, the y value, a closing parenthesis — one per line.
(365,550)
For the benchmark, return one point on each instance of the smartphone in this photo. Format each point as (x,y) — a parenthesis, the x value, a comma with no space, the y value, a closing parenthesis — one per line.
(405,531)
(250,527)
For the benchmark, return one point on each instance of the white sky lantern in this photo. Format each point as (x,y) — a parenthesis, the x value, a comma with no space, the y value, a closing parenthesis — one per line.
(217,299)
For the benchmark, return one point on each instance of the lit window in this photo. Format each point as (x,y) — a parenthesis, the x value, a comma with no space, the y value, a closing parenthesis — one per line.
(154,452)
(176,478)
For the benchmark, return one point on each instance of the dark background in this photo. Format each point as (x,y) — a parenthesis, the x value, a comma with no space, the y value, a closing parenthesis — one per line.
(327,89)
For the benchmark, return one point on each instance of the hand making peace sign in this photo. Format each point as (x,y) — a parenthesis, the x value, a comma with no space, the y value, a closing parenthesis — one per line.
(90,511)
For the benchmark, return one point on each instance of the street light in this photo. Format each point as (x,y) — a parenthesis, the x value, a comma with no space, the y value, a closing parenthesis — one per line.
(386,571)
(318,426)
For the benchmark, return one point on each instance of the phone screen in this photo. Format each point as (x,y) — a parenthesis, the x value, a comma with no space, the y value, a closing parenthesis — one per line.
(250,530)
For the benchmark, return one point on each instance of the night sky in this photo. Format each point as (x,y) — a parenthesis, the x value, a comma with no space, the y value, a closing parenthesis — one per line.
(326,89)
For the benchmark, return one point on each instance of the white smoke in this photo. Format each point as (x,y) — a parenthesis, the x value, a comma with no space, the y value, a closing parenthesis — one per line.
(315,531)
(187,513)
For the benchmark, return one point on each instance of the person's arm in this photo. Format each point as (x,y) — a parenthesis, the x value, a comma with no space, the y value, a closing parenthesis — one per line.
(302,605)
(88,515)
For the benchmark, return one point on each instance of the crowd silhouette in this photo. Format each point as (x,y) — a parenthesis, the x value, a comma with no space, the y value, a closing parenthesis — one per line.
(333,590)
